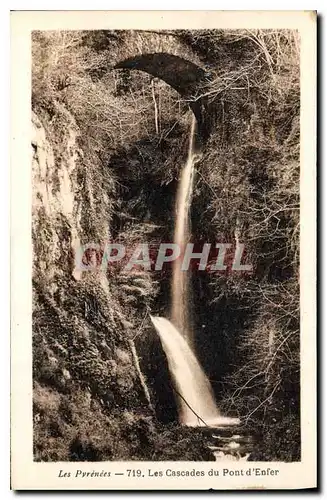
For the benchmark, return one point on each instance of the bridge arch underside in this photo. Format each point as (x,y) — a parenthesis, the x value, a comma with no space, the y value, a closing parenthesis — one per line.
(185,77)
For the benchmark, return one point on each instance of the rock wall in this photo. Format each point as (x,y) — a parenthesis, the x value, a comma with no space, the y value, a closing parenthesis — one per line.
(84,377)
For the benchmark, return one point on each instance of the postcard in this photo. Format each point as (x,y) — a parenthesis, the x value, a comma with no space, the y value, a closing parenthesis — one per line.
(163,275)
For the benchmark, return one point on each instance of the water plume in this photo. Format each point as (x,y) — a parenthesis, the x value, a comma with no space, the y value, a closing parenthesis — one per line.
(196,403)
(180,294)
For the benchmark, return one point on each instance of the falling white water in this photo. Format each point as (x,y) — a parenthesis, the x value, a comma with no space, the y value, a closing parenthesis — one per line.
(194,396)
(180,279)
(196,403)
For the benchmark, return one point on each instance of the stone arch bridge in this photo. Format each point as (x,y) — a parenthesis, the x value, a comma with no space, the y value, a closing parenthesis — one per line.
(187,78)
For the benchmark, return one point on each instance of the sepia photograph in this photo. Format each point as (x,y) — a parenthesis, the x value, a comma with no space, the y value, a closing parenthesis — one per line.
(166,245)
(166,300)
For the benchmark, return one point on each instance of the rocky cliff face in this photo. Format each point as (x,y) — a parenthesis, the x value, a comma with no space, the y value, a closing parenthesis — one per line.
(55,197)
(79,349)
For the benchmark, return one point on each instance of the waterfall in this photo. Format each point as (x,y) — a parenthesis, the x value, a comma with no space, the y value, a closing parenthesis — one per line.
(180,279)
(196,403)
(194,395)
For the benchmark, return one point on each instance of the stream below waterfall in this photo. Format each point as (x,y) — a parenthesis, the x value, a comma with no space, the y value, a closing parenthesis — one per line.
(194,395)
(195,400)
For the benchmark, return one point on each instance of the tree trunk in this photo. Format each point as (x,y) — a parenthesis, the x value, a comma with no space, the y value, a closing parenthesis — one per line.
(155,107)
(140,374)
